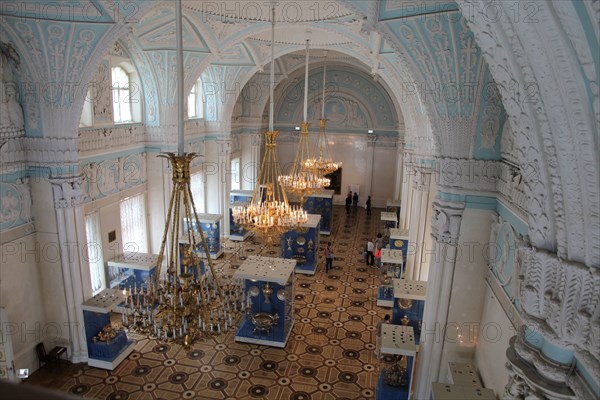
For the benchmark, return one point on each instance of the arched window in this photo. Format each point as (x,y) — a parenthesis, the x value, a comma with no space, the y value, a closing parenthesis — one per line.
(195,101)
(121,96)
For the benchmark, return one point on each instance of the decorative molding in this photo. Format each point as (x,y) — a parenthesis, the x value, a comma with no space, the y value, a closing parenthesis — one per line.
(16,203)
(94,139)
(51,151)
(467,174)
(445,221)
(511,188)
(104,178)
(67,191)
(561,301)
(525,59)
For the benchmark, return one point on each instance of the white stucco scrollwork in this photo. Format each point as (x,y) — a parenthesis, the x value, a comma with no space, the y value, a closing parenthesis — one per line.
(547,53)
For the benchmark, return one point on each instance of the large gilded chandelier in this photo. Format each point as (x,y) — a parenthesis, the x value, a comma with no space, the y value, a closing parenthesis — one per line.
(322,161)
(183,303)
(303,179)
(269,213)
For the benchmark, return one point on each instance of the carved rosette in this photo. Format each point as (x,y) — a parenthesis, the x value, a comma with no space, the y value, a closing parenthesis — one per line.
(446,219)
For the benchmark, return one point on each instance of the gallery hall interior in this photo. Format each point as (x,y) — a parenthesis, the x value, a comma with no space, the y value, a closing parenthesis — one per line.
(300,199)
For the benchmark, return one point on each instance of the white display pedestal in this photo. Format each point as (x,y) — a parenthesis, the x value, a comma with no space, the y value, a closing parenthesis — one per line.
(409,305)
(445,391)
(464,374)
(96,315)
(391,268)
(269,294)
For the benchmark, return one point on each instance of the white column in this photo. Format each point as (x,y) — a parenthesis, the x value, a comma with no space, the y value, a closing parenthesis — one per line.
(368,189)
(75,271)
(445,228)
(224,187)
(407,189)
(418,222)
(399,177)
(255,160)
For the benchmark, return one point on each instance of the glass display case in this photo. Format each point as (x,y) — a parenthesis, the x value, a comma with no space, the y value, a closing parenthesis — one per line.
(211,227)
(388,221)
(321,203)
(398,351)
(107,343)
(394,206)
(267,317)
(391,268)
(131,271)
(409,304)
(399,240)
(238,198)
(302,245)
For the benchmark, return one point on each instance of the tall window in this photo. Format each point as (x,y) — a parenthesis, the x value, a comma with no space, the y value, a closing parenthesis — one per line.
(121,95)
(94,251)
(197,189)
(133,224)
(235,174)
(195,102)
(86,113)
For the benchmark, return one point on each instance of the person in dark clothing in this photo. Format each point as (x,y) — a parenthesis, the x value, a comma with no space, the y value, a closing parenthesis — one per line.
(368,205)
(348,203)
(355,202)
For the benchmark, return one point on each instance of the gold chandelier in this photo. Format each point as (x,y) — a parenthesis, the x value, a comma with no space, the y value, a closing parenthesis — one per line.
(322,162)
(182,304)
(269,213)
(303,179)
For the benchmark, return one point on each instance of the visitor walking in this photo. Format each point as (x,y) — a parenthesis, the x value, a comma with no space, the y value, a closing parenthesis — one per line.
(370,249)
(329,257)
(368,205)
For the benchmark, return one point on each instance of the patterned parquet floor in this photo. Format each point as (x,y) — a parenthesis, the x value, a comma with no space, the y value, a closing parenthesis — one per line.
(329,355)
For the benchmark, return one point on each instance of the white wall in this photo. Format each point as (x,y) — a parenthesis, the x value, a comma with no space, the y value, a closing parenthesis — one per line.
(468,289)
(158,186)
(357,167)
(21,295)
(384,175)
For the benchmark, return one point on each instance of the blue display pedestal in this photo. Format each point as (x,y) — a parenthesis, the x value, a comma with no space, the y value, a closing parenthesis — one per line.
(131,270)
(238,198)
(391,268)
(96,315)
(409,304)
(211,227)
(321,203)
(302,245)
(396,378)
(268,305)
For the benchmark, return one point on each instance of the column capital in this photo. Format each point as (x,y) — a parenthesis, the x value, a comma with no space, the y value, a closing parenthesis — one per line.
(445,221)
(67,190)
